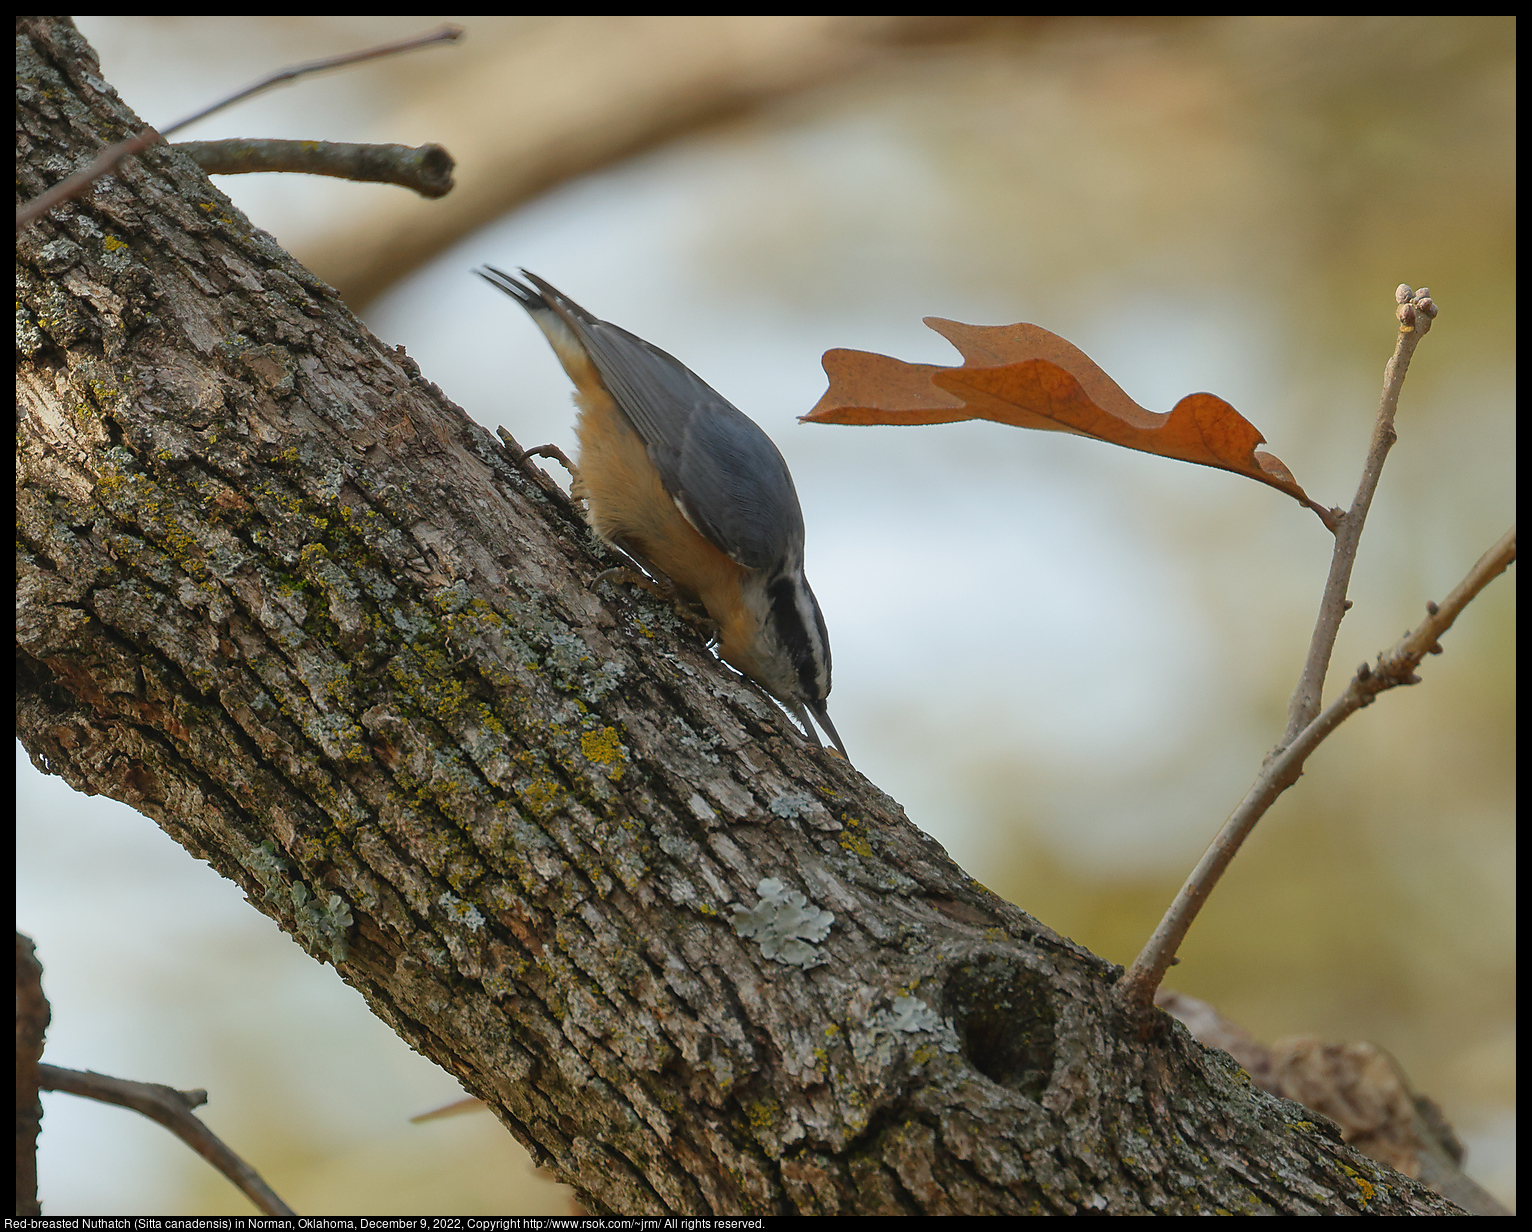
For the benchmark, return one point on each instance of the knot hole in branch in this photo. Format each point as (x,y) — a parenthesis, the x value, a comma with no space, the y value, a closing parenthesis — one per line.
(1005,1023)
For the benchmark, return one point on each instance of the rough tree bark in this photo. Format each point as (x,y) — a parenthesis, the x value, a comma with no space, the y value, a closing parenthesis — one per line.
(278,594)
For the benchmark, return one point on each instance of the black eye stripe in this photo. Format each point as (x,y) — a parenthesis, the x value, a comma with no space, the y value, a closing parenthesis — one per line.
(798,638)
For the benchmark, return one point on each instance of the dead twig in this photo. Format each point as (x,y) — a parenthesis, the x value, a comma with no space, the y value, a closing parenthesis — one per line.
(173,1110)
(1284,765)
(426,169)
(110,158)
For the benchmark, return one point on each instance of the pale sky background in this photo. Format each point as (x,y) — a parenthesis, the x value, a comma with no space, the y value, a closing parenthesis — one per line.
(1065,660)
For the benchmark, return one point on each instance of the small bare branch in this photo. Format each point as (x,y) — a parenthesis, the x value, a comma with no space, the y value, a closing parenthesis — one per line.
(456,1108)
(108,160)
(442,34)
(1396,666)
(1415,313)
(426,169)
(68,189)
(173,1110)
(1135,991)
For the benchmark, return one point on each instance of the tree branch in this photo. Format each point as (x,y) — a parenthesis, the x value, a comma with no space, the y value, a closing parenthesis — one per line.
(1396,666)
(1284,764)
(1416,311)
(426,169)
(172,1109)
(109,159)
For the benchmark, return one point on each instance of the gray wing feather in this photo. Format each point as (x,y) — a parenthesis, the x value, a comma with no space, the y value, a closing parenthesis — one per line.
(729,479)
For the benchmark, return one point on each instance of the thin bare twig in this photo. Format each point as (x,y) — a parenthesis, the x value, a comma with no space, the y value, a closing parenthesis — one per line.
(469,1103)
(1396,666)
(68,189)
(1416,311)
(1282,767)
(426,169)
(442,34)
(108,160)
(173,1110)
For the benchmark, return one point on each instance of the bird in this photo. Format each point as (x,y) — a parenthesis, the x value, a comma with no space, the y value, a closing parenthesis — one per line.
(691,488)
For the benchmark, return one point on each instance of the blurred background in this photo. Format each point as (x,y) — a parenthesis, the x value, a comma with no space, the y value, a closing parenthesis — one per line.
(1066,660)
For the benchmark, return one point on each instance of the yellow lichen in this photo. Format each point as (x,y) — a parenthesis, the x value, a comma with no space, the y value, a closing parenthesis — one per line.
(857,845)
(543,796)
(765,1114)
(1362,1183)
(604,747)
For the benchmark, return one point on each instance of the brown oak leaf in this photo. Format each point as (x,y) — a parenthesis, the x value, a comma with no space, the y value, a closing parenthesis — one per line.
(1028,377)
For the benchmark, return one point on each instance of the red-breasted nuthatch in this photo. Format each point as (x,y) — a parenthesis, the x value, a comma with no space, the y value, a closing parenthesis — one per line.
(692,489)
